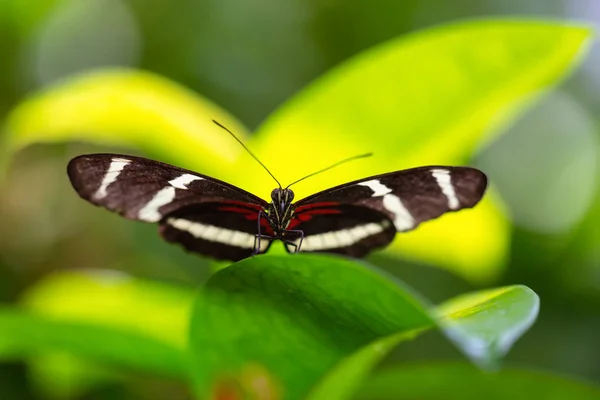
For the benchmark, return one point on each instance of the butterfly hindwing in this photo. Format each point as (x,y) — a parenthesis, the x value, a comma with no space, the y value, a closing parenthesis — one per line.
(404,198)
(224,230)
(342,228)
(146,190)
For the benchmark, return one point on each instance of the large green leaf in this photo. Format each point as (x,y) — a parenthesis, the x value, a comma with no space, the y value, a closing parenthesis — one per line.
(432,97)
(459,381)
(316,324)
(129,109)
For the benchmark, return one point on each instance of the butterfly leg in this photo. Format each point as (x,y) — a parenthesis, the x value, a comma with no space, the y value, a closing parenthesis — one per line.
(259,235)
(296,246)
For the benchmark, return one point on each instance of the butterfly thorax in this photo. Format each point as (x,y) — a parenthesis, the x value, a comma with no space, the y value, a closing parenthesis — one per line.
(280,209)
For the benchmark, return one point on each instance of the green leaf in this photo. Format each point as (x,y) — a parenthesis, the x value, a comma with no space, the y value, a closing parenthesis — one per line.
(459,381)
(433,97)
(26,334)
(84,328)
(101,316)
(112,299)
(486,324)
(314,325)
(126,108)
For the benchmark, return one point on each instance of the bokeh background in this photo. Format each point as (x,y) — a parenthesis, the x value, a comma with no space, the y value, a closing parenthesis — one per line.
(250,56)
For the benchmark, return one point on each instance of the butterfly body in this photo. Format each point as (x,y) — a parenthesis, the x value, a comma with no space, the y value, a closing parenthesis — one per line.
(280,210)
(222,221)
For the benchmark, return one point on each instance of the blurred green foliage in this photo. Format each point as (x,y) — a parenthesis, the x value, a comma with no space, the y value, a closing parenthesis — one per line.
(439,380)
(438,96)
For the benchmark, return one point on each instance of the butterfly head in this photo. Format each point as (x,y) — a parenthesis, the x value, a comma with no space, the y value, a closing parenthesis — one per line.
(282,197)
(280,209)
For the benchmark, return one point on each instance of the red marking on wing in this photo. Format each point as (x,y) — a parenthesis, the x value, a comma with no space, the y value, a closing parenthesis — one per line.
(266,226)
(293,223)
(307,212)
(249,210)
(318,211)
(249,214)
(310,206)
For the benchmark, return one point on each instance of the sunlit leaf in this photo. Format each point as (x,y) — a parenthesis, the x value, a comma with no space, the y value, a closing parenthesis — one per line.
(315,325)
(113,299)
(428,98)
(128,109)
(459,381)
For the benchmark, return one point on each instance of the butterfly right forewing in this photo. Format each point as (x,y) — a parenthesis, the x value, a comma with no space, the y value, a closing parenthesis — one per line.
(147,190)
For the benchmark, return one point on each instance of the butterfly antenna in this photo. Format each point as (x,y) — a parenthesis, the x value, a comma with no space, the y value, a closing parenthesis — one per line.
(249,152)
(332,166)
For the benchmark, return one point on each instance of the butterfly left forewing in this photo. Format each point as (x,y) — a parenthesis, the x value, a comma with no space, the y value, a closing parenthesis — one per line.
(406,198)
(411,196)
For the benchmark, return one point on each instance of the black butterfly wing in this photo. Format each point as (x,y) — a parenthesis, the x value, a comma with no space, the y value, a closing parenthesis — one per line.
(366,213)
(341,228)
(220,217)
(225,231)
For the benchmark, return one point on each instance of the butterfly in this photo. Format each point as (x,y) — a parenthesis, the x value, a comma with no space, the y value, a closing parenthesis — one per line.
(219,220)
